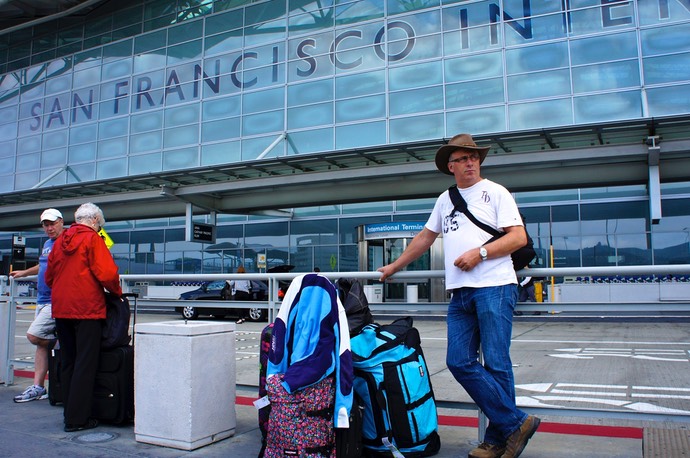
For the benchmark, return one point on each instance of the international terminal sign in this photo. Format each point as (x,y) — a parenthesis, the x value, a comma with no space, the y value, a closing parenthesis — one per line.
(393,230)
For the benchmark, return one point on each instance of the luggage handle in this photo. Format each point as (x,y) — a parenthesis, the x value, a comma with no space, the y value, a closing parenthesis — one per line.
(134,296)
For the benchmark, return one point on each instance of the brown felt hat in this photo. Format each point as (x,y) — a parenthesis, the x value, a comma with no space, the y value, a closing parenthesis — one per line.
(459,142)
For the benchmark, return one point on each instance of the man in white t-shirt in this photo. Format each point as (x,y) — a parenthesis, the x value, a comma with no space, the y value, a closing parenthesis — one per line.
(484,291)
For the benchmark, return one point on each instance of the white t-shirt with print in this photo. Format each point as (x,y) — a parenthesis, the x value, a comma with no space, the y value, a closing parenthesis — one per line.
(490,203)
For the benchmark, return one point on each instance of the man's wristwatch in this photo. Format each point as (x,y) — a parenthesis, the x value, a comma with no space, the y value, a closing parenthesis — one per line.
(483,253)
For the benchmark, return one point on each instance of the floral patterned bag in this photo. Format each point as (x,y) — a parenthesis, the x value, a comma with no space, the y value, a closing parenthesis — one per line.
(301,424)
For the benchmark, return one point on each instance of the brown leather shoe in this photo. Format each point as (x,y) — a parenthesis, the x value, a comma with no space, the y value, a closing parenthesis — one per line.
(486,450)
(516,442)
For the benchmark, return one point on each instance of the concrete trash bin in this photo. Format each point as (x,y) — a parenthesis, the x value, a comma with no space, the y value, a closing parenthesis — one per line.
(184,383)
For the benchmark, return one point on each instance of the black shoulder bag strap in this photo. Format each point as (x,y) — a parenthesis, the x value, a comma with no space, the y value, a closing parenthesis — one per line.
(459,204)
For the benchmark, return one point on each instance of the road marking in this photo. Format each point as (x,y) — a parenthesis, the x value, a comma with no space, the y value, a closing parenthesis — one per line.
(556,394)
(669,355)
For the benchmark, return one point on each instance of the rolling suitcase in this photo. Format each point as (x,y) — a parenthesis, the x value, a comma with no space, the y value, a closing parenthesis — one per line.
(54,377)
(113,393)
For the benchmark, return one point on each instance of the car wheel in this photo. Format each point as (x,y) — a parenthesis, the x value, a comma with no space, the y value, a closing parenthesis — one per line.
(256,314)
(189,313)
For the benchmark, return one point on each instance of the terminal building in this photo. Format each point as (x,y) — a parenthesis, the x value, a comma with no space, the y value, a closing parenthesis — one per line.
(220,133)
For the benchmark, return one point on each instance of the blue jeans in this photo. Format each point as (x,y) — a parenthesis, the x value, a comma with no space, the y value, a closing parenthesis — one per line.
(485,315)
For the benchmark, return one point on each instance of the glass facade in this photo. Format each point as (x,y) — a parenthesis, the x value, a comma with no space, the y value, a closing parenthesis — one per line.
(157,86)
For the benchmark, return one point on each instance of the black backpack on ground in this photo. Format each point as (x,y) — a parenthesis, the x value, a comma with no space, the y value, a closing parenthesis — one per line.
(351,294)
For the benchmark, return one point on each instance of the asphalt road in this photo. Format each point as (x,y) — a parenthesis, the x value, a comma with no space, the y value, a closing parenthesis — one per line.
(635,365)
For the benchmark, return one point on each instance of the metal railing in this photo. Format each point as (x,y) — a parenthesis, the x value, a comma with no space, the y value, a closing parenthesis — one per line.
(8,305)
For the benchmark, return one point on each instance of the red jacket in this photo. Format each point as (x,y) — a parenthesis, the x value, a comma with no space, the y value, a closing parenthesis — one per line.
(79,267)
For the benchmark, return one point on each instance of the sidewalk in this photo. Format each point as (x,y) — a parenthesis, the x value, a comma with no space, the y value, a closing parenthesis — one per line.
(35,429)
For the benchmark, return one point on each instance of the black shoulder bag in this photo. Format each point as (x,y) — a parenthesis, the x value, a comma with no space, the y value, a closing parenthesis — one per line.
(521,257)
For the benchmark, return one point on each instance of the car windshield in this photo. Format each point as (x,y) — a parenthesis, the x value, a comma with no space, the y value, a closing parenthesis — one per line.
(215,285)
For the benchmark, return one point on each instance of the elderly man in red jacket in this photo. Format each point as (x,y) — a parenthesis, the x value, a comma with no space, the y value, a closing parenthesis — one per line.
(79,268)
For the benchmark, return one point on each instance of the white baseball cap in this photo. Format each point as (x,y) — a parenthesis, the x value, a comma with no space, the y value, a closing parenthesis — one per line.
(51,215)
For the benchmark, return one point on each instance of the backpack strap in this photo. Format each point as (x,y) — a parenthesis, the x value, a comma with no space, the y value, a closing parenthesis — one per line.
(459,204)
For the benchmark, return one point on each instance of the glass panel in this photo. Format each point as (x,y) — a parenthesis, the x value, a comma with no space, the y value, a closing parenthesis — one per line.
(310,115)
(221,22)
(84,133)
(667,69)
(541,28)
(180,159)
(150,41)
(82,153)
(178,116)
(311,141)
(353,12)
(534,115)
(665,101)
(478,120)
(415,101)
(614,218)
(184,32)
(145,163)
(221,153)
(59,84)
(55,138)
(603,48)
(112,128)
(87,77)
(220,130)
(360,84)
(373,106)
(536,58)
(266,11)
(221,108)
(311,92)
(415,76)
(602,19)
(223,42)
(27,162)
(85,172)
(116,147)
(667,39)
(53,158)
(263,123)
(538,85)
(613,75)
(268,238)
(314,232)
(118,69)
(180,136)
(25,145)
(481,92)
(145,142)
(482,66)
(416,128)
(111,169)
(184,52)
(263,100)
(151,120)
(608,107)
(359,135)
(117,50)
(147,62)
(25,180)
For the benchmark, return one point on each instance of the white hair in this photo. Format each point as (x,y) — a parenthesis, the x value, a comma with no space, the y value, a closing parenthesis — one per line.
(89,211)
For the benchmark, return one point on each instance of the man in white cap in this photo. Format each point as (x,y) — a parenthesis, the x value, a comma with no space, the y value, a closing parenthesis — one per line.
(42,330)
(481,277)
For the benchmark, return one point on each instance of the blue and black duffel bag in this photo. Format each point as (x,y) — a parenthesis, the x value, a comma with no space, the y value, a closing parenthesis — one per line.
(392,379)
